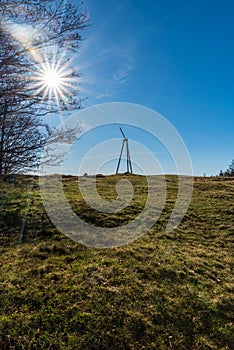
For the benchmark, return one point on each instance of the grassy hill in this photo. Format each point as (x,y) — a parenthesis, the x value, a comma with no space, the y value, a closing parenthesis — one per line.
(164,291)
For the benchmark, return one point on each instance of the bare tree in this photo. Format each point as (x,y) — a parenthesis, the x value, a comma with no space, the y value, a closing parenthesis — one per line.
(33,36)
(21,139)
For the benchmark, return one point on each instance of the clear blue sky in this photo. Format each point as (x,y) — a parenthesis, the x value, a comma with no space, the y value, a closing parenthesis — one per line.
(174,56)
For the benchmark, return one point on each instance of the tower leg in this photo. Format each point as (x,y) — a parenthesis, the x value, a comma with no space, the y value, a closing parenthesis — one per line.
(129,163)
(120,156)
(127,156)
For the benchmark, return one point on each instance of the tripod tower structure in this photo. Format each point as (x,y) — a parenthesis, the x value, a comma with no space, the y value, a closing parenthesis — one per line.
(129,163)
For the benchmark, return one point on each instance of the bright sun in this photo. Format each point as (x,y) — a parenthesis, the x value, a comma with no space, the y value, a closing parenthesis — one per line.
(52,79)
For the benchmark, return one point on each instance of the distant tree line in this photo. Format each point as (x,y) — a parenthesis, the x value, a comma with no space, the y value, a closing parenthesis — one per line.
(229,171)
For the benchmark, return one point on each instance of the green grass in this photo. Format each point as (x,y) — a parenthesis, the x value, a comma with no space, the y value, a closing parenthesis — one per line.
(163,291)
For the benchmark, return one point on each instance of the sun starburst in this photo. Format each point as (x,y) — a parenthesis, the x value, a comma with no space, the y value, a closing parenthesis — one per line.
(52,79)
(55,82)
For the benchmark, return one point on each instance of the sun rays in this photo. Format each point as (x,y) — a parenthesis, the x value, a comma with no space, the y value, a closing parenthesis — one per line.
(55,80)
(53,75)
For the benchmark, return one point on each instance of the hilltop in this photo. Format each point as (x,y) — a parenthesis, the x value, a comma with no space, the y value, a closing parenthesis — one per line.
(163,291)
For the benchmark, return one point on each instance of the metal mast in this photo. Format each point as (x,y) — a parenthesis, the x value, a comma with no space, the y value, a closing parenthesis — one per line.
(129,163)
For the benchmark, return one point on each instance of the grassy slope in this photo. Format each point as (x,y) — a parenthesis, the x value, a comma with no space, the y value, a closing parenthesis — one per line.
(164,291)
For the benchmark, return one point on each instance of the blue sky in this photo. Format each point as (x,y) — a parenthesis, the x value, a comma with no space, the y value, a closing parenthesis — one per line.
(173,56)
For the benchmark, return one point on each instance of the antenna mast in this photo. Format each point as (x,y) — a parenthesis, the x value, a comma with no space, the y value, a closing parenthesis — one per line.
(129,163)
